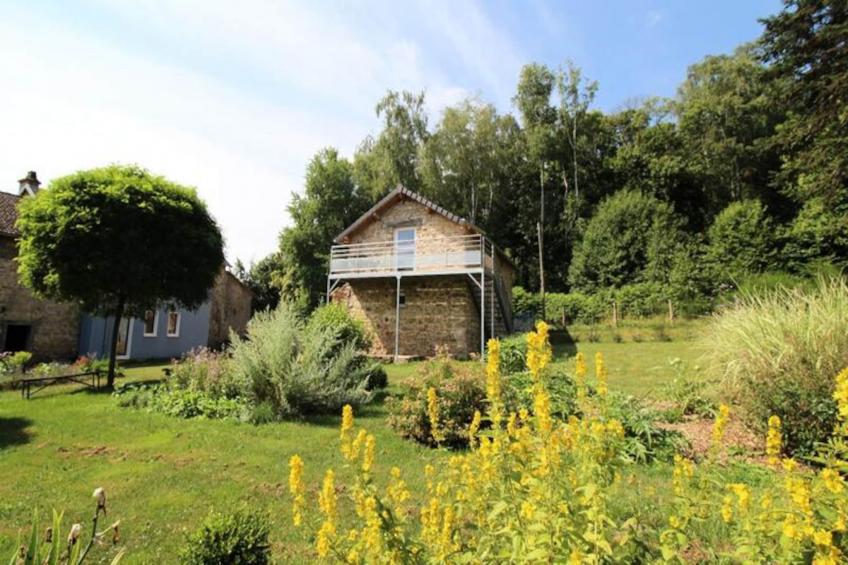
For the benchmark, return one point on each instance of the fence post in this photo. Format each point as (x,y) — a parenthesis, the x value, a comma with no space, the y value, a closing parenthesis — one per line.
(614,314)
(670,312)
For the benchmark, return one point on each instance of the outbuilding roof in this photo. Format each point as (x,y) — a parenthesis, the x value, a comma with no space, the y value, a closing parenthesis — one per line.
(8,214)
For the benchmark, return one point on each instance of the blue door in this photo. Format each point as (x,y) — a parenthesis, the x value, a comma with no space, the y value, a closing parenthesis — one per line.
(405,248)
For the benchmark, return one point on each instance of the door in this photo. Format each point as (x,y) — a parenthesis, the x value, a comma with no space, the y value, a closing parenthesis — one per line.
(123,337)
(405,248)
(17,337)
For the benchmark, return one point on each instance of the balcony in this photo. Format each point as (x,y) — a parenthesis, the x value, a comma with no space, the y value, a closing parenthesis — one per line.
(426,256)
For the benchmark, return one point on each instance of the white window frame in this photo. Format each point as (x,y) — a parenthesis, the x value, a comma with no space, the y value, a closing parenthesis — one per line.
(128,353)
(155,331)
(176,332)
(412,252)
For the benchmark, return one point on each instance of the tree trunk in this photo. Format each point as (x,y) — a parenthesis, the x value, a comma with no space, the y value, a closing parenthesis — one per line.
(113,347)
(541,239)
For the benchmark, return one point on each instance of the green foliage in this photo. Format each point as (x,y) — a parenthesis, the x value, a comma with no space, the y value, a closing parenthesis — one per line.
(778,353)
(345,329)
(330,202)
(298,367)
(513,354)
(818,233)
(181,403)
(238,538)
(525,303)
(644,441)
(263,281)
(15,362)
(741,241)
(461,389)
(81,240)
(628,240)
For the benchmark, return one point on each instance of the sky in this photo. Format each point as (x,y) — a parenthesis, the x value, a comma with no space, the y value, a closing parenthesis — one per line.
(235,97)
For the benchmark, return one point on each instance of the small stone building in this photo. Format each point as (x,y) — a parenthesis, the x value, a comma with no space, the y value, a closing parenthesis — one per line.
(421,279)
(45,328)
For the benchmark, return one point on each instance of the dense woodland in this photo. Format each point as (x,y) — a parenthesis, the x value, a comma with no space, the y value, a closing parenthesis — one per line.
(744,171)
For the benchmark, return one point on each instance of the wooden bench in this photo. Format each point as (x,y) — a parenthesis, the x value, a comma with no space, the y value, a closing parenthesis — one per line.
(33,385)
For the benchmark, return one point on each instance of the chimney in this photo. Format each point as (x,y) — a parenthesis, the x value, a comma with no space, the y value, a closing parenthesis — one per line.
(28,185)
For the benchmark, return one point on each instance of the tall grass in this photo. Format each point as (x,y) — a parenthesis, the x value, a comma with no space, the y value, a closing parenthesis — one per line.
(778,353)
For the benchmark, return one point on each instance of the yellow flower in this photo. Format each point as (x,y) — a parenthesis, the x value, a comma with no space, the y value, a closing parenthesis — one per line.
(575,557)
(773,441)
(327,497)
(433,415)
(538,350)
(727,508)
(743,495)
(789,464)
(542,410)
(601,374)
(322,541)
(396,490)
(527,510)
(580,376)
(832,480)
(493,380)
(840,394)
(720,425)
(297,488)
(368,457)
(474,428)
(823,538)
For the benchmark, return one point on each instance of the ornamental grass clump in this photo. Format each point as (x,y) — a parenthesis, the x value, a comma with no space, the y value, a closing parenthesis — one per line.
(777,353)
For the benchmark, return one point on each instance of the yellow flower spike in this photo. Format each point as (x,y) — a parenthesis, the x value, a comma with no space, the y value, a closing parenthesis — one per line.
(433,415)
(832,480)
(580,376)
(346,427)
(720,426)
(773,441)
(542,410)
(322,540)
(297,488)
(493,381)
(474,428)
(727,509)
(327,501)
(368,456)
(840,394)
(601,374)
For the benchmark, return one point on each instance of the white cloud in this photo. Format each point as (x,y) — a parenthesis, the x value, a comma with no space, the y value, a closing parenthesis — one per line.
(231,98)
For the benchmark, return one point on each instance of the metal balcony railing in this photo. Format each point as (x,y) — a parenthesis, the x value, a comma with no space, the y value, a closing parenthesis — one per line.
(426,255)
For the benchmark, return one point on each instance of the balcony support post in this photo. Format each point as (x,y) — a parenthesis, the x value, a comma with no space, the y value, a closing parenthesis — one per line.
(492,298)
(397,319)
(482,299)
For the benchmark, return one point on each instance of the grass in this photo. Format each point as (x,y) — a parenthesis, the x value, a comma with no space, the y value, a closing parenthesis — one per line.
(164,474)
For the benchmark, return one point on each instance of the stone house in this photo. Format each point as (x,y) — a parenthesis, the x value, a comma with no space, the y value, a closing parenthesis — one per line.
(47,329)
(421,279)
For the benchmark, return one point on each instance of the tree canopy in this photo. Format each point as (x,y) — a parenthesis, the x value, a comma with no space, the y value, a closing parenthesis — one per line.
(118,240)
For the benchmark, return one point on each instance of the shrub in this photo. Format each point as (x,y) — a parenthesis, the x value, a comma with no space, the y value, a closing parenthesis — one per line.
(461,389)
(513,357)
(345,329)
(377,378)
(15,362)
(525,303)
(299,368)
(776,352)
(240,538)
(206,371)
(741,240)
(180,402)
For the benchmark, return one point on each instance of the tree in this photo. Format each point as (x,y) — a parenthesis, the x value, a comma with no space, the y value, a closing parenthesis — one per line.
(575,95)
(631,238)
(727,111)
(741,240)
(806,48)
(392,159)
(331,201)
(118,240)
(263,280)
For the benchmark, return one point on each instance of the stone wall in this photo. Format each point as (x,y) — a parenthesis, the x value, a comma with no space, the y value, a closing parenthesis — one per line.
(439,312)
(229,309)
(54,326)
(409,213)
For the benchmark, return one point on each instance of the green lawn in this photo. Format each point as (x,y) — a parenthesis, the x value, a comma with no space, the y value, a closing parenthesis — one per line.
(164,474)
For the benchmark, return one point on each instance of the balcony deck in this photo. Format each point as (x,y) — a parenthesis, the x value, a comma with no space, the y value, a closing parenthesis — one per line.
(426,256)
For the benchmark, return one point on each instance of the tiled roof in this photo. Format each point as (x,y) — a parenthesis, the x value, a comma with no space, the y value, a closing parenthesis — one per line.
(390,198)
(8,214)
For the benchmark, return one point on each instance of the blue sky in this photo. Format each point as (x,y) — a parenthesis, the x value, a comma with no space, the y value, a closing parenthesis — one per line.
(234,97)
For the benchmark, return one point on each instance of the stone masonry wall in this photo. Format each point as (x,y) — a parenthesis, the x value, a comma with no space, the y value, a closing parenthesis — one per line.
(54,326)
(439,312)
(229,308)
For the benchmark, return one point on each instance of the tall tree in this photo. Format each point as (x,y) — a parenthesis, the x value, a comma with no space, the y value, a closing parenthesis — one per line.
(806,47)
(392,158)
(727,113)
(118,241)
(575,95)
(331,201)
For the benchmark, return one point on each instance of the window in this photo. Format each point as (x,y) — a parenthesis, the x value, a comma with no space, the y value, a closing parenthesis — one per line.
(151,323)
(402,299)
(405,248)
(173,324)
